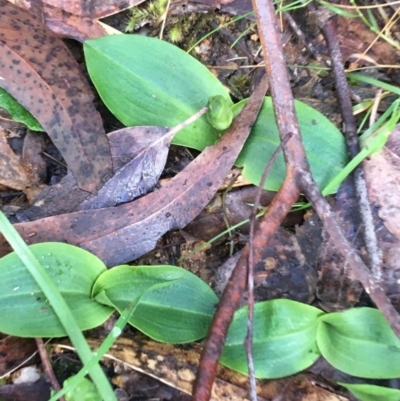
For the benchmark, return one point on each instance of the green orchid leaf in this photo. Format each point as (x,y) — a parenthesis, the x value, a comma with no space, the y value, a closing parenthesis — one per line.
(25,312)
(18,112)
(360,343)
(174,305)
(369,392)
(324,144)
(147,81)
(283,342)
(85,390)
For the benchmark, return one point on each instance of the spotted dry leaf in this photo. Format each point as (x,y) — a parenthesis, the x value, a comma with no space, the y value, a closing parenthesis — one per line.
(37,69)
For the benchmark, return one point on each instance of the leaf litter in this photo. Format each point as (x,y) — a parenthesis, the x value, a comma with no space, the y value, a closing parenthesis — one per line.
(121,234)
(81,227)
(38,70)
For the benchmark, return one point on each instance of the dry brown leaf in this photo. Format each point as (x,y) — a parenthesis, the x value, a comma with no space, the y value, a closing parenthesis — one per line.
(94,8)
(78,19)
(13,173)
(382,171)
(38,70)
(138,160)
(121,234)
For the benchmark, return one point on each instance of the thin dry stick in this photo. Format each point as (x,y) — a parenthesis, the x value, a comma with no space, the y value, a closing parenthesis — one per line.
(225,214)
(250,270)
(350,129)
(48,369)
(307,43)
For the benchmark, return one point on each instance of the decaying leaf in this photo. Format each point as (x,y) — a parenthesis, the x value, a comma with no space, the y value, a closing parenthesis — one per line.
(382,172)
(93,9)
(13,172)
(78,19)
(337,287)
(138,157)
(140,174)
(237,208)
(38,70)
(283,271)
(121,234)
(235,7)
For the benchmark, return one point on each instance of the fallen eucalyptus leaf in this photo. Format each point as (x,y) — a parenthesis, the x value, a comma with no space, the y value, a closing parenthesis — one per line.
(50,85)
(138,160)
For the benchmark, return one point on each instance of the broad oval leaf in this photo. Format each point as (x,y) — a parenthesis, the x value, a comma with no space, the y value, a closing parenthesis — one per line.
(174,305)
(360,343)
(146,81)
(24,310)
(370,392)
(324,144)
(283,341)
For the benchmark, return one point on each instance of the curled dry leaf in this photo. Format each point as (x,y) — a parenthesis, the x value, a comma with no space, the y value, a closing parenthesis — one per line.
(38,70)
(121,234)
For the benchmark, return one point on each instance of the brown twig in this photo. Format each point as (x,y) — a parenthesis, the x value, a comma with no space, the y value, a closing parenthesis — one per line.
(307,43)
(48,369)
(350,130)
(250,270)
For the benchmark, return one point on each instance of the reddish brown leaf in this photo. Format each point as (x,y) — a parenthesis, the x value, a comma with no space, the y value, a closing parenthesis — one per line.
(68,25)
(39,71)
(121,234)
